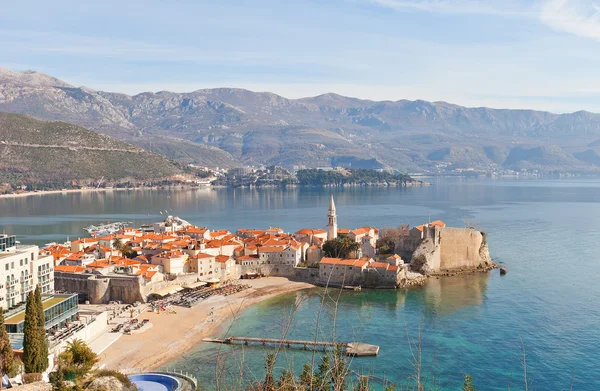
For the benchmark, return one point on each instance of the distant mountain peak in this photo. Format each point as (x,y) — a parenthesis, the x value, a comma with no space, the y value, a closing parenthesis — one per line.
(30,78)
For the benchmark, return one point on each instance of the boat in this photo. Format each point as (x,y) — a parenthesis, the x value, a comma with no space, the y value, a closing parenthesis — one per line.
(106,229)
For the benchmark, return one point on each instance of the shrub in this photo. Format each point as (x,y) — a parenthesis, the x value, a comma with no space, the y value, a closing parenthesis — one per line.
(29,378)
(116,374)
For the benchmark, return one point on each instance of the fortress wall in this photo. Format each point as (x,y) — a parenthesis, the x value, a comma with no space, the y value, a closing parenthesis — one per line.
(126,289)
(87,285)
(460,248)
(98,290)
(405,246)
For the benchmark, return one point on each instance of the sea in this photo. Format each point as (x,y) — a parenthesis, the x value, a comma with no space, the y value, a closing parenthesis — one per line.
(539,323)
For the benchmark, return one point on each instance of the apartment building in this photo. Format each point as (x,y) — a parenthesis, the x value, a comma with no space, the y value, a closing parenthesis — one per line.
(22,267)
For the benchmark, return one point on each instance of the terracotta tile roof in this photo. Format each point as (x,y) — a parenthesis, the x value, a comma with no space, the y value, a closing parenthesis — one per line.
(194,230)
(202,255)
(85,241)
(379,265)
(345,262)
(361,231)
(147,266)
(74,256)
(69,269)
(222,232)
(99,263)
(248,258)
(437,223)
(309,231)
(343,231)
(222,258)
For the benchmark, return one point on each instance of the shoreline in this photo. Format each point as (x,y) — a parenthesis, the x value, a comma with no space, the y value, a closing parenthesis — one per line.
(174,334)
(182,187)
(89,190)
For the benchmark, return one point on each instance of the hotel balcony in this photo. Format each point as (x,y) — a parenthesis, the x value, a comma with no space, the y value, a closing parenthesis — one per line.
(45,272)
(11,283)
(26,278)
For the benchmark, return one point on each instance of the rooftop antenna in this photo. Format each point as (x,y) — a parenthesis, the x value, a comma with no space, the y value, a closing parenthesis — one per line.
(428,216)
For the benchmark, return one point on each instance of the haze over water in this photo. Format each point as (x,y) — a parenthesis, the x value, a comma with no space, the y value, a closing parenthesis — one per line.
(544,231)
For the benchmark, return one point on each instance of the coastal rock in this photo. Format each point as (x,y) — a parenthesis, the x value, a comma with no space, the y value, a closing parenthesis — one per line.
(107,383)
(503,271)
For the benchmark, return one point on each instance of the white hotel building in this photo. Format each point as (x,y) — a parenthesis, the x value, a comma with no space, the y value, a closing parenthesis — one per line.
(21,269)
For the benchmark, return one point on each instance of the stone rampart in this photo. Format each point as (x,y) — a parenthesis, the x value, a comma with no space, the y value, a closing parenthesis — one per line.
(462,248)
(451,249)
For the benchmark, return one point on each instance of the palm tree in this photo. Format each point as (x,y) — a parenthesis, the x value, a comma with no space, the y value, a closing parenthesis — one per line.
(117,244)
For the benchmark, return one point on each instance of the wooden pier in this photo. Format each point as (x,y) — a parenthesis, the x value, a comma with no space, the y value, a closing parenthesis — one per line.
(356,349)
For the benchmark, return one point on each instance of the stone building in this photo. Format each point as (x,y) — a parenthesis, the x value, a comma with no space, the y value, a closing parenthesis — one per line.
(361,272)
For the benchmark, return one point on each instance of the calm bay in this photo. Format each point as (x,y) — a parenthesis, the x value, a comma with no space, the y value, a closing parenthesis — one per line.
(543,231)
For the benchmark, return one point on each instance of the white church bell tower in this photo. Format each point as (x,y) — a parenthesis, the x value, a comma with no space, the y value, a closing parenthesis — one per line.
(332,221)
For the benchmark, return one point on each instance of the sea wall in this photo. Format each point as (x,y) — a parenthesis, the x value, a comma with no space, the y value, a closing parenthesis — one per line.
(451,249)
(462,248)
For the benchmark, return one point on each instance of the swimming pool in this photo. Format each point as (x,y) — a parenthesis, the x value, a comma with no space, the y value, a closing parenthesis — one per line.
(155,382)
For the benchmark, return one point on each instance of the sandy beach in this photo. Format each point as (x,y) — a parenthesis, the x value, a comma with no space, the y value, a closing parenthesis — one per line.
(173,334)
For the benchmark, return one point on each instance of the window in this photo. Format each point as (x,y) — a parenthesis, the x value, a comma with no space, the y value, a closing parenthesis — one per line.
(31,258)
(20,262)
(12,265)
(6,266)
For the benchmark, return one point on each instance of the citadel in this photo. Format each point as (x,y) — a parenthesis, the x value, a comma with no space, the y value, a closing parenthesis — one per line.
(135,264)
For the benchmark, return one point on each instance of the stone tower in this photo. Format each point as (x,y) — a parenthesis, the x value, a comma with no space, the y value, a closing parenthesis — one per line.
(332,221)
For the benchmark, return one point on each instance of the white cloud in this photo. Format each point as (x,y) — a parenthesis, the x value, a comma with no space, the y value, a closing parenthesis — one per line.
(490,7)
(578,17)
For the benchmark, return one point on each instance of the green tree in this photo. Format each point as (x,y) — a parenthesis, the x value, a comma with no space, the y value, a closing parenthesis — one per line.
(468,385)
(8,364)
(31,345)
(77,357)
(286,381)
(323,376)
(117,244)
(341,247)
(41,328)
(128,252)
(307,378)
(363,384)
(269,384)
(339,369)
(35,345)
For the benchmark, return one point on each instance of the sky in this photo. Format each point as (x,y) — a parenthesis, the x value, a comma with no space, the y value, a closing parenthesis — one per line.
(538,54)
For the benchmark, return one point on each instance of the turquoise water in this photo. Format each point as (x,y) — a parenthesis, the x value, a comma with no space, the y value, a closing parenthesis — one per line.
(545,232)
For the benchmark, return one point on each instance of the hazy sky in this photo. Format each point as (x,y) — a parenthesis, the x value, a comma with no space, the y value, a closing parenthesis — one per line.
(541,54)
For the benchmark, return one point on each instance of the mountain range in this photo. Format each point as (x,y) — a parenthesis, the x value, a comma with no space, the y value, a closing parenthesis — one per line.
(228,127)
(59,154)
